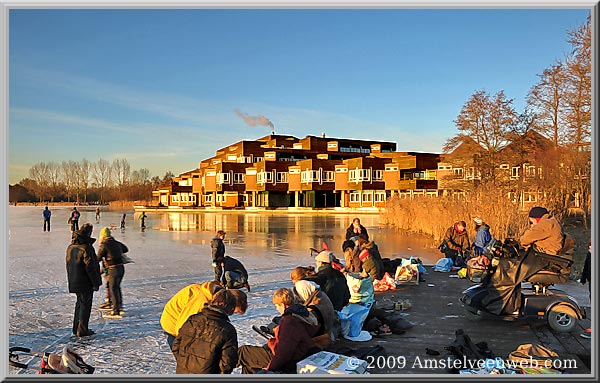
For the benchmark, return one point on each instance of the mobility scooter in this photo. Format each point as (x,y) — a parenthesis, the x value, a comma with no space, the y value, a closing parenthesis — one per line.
(538,303)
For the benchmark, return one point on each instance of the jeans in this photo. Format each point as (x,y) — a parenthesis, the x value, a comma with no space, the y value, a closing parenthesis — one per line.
(83,309)
(115,275)
(253,358)
(47,222)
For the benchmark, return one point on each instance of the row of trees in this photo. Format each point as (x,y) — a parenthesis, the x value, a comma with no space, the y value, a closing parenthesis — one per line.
(85,181)
(557,106)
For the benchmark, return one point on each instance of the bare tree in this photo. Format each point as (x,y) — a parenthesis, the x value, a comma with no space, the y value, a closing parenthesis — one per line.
(83,177)
(69,176)
(101,175)
(39,174)
(547,98)
(54,184)
(121,172)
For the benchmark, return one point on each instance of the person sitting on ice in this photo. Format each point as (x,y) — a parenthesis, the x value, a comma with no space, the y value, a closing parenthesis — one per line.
(370,257)
(355,229)
(309,294)
(207,341)
(293,340)
(189,301)
(331,281)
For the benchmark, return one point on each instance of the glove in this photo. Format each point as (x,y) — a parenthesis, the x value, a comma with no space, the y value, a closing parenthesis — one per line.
(214,264)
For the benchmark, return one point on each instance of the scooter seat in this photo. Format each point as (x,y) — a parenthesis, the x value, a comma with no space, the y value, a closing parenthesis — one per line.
(545,278)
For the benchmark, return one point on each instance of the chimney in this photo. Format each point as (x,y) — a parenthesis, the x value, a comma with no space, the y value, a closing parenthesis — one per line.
(323,135)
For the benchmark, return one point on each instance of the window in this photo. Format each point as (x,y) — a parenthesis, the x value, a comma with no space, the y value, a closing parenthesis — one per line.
(540,173)
(367,197)
(341,170)
(211,174)
(328,176)
(379,196)
(232,148)
(310,176)
(232,158)
(239,178)
(504,166)
(514,172)
(444,167)
(250,172)
(377,175)
(208,198)
(359,175)
(174,198)
(294,171)
(391,168)
(270,156)
(258,159)
(184,198)
(193,198)
(264,177)
(530,197)
(457,172)
(332,145)
(216,161)
(222,178)
(297,146)
(530,171)
(281,177)
(354,196)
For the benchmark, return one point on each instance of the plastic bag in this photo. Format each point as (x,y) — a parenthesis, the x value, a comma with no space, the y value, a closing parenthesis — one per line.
(443,265)
(361,289)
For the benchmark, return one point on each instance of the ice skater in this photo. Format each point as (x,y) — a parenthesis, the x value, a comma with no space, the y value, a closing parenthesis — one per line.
(123,221)
(46,213)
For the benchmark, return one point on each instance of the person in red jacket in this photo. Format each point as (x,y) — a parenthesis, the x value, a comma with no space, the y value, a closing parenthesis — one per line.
(293,340)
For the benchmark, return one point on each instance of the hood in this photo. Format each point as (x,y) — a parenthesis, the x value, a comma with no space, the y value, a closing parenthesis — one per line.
(301,312)
(82,237)
(305,288)
(214,312)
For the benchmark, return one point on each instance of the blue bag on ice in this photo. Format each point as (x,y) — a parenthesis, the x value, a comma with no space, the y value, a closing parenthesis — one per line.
(352,317)
(443,265)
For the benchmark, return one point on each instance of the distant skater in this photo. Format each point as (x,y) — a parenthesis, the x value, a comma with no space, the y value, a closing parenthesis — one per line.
(46,213)
(143,217)
(97,214)
(74,220)
(123,221)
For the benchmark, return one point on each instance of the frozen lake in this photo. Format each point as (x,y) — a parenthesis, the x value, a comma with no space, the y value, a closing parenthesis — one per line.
(171,253)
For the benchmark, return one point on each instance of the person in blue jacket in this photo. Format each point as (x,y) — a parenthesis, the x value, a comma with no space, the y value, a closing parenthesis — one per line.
(482,236)
(46,213)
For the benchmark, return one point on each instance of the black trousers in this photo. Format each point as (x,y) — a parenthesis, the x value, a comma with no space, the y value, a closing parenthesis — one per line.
(115,276)
(253,358)
(47,223)
(83,310)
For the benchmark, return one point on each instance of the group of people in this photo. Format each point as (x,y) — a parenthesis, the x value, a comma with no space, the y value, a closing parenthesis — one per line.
(203,341)
(84,274)
(74,216)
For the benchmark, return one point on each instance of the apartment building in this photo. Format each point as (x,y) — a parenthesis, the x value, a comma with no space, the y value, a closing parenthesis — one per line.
(313,172)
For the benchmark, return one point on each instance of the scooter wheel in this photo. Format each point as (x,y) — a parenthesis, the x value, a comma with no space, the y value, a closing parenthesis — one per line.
(470,315)
(562,318)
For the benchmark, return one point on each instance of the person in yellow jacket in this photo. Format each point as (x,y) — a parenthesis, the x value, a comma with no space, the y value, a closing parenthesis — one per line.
(189,301)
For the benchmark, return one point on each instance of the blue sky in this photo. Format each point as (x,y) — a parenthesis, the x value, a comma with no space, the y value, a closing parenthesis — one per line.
(161,87)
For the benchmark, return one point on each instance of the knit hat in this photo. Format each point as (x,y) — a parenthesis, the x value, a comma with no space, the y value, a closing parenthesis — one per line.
(478,221)
(537,212)
(304,288)
(324,256)
(104,232)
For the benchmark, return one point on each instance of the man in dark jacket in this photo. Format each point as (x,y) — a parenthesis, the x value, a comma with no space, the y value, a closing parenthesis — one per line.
(83,273)
(111,254)
(218,253)
(74,220)
(235,275)
(207,341)
(47,213)
(293,339)
(457,239)
(355,229)
(332,281)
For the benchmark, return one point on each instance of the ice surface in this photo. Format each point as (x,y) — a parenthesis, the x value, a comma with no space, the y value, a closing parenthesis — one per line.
(171,253)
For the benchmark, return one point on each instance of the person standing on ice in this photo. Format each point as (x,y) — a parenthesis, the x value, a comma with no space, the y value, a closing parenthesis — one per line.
(46,213)
(218,253)
(123,221)
(142,218)
(74,220)
(83,275)
(110,253)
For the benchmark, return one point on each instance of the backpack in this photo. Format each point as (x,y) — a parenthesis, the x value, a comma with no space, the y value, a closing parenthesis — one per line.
(532,354)
(443,265)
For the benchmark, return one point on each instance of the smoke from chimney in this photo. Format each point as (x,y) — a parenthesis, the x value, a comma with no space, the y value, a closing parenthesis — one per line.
(259,120)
